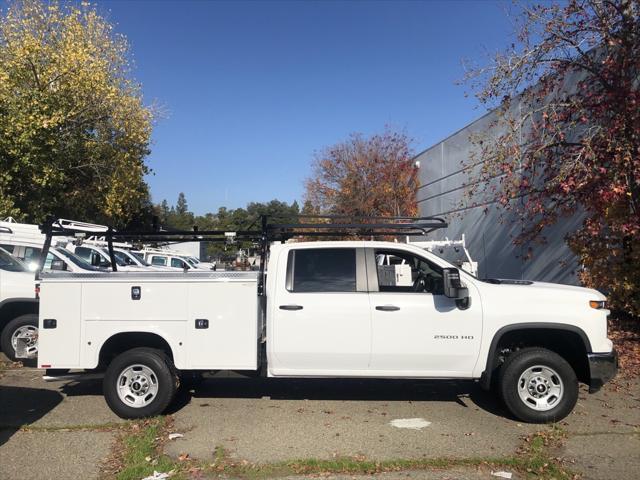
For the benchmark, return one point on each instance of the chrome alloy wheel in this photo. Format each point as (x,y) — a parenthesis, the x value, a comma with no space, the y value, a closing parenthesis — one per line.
(540,388)
(137,386)
(30,334)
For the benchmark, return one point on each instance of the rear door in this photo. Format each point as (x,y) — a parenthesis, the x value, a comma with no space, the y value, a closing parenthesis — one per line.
(320,315)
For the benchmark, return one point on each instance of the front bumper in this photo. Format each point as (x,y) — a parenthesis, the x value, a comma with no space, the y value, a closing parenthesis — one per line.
(602,368)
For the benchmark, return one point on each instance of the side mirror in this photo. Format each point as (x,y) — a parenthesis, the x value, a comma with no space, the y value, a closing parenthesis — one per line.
(58,265)
(453,288)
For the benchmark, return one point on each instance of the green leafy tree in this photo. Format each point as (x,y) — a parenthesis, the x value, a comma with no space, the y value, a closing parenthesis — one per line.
(181,206)
(226,220)
(74,131)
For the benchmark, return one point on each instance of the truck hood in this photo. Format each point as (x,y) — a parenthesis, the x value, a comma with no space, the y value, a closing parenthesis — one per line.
(18,284)
(543,287)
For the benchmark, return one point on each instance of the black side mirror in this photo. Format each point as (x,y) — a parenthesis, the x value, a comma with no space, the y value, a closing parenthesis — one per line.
(453,288)
(58,265)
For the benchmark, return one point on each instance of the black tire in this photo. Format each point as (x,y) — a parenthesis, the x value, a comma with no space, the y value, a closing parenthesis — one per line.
(163,376)
(556,372)
(29,320)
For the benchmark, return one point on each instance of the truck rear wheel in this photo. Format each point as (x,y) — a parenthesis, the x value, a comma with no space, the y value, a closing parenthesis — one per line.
(538,385)
(140,383)
(23,327)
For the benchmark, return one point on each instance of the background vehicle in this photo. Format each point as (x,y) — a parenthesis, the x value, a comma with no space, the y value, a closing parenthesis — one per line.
(330,309)
(197,263)
(62,259)
(129,258)
(18,309)
(99,257)
(173,261)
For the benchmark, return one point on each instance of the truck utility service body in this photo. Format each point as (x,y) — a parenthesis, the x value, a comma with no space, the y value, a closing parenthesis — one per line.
(329,310)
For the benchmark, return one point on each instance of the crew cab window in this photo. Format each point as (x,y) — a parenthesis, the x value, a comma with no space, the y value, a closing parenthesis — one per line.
(177,263)
(161,261)
(322,270)
(400,271)
(84,253)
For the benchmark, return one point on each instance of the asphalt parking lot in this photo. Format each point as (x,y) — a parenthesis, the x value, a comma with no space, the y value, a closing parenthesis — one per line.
(65,430)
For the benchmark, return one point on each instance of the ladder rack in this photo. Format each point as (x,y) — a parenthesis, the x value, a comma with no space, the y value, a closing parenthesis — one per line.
(263,230)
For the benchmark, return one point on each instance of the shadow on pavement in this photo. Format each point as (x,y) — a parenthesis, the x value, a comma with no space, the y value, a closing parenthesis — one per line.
(343,389)
(20,406)
(323,389)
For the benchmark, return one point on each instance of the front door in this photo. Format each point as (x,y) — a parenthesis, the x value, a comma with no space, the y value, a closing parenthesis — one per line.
(416,330)
(321,320)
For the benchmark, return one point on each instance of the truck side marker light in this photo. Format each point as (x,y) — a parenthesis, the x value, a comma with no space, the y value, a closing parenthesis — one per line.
(598,304)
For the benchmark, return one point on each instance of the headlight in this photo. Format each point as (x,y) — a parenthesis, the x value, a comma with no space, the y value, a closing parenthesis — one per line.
(598,304)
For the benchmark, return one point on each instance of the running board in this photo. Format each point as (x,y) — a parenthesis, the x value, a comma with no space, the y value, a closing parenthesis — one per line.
(78,376)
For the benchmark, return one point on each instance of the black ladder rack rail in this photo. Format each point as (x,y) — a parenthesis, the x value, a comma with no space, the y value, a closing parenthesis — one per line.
(271,229)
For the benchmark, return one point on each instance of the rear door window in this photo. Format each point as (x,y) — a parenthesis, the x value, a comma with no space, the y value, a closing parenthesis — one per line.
(322,270)
(178,263)
(161,261)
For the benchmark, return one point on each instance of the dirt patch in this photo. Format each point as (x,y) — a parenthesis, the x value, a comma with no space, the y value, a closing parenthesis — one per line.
(625,334)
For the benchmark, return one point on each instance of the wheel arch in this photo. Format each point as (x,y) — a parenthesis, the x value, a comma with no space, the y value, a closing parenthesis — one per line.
(533,334)
(14,307)
(123,341)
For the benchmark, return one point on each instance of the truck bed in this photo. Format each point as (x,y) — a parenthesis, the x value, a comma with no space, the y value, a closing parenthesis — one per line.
(211,322)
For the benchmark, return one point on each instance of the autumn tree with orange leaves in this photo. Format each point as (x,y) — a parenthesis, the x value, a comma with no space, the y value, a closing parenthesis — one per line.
(567,136)
(364,176)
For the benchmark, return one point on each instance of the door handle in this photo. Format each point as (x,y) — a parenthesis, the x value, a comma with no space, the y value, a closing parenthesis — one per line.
(290,307)
(387,308)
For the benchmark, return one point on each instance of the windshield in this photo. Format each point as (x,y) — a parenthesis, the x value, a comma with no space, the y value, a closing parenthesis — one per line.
(140,258)
(119,261)
(137,258)
(76,260)
(190,261)
(457,265)
(11,264)
(128,259)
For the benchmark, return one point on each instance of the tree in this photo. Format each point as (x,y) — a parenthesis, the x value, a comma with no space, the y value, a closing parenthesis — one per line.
(364,176)
(163,211)
(73,128)
(181,206)
(569,141)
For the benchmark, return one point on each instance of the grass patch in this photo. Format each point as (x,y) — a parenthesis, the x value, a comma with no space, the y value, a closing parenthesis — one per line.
(140,453)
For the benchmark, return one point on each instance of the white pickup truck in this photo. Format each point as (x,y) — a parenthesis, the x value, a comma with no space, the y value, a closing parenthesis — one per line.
(329,309)
(18,310)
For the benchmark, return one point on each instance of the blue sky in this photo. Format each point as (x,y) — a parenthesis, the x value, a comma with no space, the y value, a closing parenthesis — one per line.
(251,90)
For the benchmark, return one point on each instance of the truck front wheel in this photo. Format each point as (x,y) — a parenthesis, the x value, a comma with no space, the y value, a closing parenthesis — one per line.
(25,328)
(140,383)
(538,385)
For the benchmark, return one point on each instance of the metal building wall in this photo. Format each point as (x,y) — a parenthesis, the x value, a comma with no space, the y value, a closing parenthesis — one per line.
(489,241)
